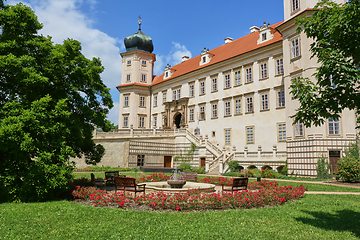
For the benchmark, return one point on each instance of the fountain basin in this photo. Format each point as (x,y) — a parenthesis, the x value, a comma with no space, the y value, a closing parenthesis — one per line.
(163,186)
(176,183)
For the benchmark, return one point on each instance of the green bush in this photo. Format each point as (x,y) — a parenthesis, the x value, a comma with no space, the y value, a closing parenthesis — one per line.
(349,169)
(323,169)
(186,167)
(254,172)
(268,173)
(252,167)
(234,166)
(233,174)
(199,170)
(349,166)
(282,169)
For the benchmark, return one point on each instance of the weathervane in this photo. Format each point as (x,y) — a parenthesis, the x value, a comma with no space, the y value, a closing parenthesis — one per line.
(139,22)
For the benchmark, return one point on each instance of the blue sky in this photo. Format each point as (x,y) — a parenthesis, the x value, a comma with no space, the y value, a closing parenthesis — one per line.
(177,28)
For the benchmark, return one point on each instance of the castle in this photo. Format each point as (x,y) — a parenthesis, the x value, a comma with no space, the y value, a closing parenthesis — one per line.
(233,102)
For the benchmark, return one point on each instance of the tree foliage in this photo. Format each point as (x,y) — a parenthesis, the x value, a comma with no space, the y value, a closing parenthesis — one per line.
(51,98)
(335,30)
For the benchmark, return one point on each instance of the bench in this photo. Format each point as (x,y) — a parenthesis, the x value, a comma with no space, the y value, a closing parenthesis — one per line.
(109,176)
(189,176)
(128,184)
(238,185)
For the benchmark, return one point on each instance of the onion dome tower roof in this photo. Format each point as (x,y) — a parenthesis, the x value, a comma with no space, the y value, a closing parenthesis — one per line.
(139,41)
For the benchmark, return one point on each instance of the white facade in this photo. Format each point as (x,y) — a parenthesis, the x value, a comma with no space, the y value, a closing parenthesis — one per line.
(237,95)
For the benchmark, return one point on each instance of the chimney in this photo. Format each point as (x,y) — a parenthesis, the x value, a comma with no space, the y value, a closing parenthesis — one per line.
(254,29)
(184,58)
(228,39)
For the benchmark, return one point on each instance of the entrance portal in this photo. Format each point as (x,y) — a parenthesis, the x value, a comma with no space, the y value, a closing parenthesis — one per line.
(202,161)
(334,157)
(178,120)
(167,161)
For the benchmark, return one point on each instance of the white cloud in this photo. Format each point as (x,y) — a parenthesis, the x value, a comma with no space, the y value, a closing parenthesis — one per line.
(173,58)
(113,115)
(63,19)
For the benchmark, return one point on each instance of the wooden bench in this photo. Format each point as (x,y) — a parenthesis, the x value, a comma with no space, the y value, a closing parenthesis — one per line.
(128,184)
(189,176)
(109,176)
(238,185)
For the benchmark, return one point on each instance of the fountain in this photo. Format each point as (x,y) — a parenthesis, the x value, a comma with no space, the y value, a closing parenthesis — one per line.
(176,184)
(176,181)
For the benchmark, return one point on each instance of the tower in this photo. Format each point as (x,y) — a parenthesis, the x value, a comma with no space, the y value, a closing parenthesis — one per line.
(137,73)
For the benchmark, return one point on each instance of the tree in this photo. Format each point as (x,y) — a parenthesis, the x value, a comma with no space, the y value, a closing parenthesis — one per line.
(335,30)
(51,99)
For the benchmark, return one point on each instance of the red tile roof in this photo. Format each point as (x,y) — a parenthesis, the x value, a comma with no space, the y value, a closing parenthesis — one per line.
(237,47)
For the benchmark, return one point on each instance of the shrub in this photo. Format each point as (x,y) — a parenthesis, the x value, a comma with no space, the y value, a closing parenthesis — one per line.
(269,174)
(234,166)
(199,170)
(266,167)
(186,167)
(234,174)
(254,172)
(349,169)
(323,168)
(282,169)
(252,167)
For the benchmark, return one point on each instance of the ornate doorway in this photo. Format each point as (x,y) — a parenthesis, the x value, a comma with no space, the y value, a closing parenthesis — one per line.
(177,120)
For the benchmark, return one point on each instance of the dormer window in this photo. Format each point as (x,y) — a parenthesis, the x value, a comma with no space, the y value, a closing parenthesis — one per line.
(168,71)
(143,62)
(265,33)
(128,62)
(205,56)
(263,36)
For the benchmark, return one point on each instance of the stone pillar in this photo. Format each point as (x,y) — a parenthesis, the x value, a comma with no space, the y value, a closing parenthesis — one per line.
(206,165)
(221,167)
(274,151)
(259,151)
(246,149)
(131,130)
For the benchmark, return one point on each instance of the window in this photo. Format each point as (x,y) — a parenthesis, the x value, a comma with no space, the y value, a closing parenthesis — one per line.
(166,74)
(214,113)
(128,62)
(191,114)
(334,126)
(294,5)
(296,79)
(249,105)
(143,77)
(279,66)
(250,134)
(128,77)
(204,59)
(295,48)
(248,72)
(263,36)
(141,121)
(264,102)
(126,122)
(281,132)
(155,101)
(143,62)
(227,80)
(202,113)
(299,129)
(263,71)
(237,78)
(227,136)
(238,106)
(142,101)
(126,101)
(191,90)
(140,160)
(202,87)
(178,94)
(227,108)
(155,121)
(281,98)
(164,97)
(214,85)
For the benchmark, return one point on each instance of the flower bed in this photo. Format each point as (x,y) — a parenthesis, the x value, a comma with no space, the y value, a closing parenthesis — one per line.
(217,180)
(155,177)
(266,194)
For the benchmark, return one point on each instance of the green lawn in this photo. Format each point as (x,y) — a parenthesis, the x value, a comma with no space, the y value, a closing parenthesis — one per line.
(313,217)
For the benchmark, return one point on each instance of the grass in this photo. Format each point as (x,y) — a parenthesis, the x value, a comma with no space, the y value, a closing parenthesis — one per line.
(313,217)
